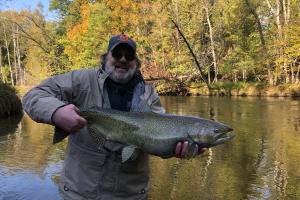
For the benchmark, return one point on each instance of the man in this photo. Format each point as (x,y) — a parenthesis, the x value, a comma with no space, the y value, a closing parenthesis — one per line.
(90,172)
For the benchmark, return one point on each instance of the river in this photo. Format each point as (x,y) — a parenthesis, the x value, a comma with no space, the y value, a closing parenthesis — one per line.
(261,162)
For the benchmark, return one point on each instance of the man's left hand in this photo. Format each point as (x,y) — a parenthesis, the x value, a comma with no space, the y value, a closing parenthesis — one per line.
(186,150)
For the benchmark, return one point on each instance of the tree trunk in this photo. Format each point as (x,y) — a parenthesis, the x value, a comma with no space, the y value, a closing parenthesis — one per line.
(8,56)
(212,44)
(15,54)
(292,74)
(19,58)
(1,66)
(297,74)
(285,21)
(175,2)
(279,33)
(286,72)
(270,6)
(286,15)
(270,77)
(163,52)
(286,11)
(176,15)
(259,26)
(244,75)
(235,76)
(261,35)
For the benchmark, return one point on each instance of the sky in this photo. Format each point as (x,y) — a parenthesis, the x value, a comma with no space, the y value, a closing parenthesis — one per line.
(29,5)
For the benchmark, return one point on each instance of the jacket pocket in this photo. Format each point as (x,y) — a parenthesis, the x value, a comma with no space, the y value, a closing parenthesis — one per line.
(134,176)
(82,171)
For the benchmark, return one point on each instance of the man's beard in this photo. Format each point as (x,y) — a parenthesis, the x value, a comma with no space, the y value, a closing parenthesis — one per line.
(120,77)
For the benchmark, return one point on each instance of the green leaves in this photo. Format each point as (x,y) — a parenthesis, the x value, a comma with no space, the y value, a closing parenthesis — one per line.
(243,49)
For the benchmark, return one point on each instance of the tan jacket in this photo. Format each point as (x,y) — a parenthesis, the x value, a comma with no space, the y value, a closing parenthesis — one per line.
(91,173)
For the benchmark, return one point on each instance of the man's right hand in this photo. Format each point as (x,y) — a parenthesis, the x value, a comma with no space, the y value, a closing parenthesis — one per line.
(183,150)
(67,118)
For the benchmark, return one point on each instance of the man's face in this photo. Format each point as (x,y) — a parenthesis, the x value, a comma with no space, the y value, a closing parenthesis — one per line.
(121,63)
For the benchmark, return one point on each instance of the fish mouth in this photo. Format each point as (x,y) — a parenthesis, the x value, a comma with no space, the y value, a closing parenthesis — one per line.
(223,137)
(222,133)
(220,136)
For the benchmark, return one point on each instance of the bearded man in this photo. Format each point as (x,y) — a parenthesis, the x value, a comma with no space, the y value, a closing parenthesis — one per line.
(90,172)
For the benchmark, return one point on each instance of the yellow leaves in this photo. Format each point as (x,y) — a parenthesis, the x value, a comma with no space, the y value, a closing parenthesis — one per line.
(81,27)
(85,38)
(125,15)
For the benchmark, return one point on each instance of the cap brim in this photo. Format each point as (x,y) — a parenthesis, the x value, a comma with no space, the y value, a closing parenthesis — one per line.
(126,43)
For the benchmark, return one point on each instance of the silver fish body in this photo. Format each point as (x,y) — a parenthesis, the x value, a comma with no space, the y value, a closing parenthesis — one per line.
(156,134)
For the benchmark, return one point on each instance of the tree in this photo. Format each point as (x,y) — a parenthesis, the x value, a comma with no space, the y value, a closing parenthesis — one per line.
(8,54)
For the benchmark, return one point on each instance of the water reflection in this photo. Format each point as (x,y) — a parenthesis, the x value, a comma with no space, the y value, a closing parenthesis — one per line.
(26,185)
(29,163)
(261,162)
(9,124)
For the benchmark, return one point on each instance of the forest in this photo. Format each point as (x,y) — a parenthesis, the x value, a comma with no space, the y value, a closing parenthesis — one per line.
(182,43)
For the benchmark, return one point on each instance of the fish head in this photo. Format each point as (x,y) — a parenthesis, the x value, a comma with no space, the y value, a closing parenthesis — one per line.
(210,133)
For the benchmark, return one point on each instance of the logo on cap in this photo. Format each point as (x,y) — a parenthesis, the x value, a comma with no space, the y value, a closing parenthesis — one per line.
(124,38)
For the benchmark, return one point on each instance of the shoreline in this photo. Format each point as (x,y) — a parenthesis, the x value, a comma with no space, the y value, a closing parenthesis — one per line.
(231,89)
(220,89)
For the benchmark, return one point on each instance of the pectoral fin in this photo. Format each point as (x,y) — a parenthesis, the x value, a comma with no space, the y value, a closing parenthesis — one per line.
(129,152)
(192,150)
(193,147)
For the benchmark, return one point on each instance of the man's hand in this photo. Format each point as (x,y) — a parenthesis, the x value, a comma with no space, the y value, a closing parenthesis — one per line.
(66,118)
(186,150)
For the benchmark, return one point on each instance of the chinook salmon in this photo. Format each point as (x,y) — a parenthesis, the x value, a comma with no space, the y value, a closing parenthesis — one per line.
(156,134)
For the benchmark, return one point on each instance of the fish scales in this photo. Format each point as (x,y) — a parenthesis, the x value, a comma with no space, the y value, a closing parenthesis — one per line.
(156,134)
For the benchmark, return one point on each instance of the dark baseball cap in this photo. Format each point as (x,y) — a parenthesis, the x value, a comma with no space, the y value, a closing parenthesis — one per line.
(121,39)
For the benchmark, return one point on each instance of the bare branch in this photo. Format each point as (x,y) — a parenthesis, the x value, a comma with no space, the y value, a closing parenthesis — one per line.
(39,26)
(27,35)
(193,54)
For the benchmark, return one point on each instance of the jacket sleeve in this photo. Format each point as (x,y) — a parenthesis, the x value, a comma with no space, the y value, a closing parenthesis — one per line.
(155,103)
(42,101)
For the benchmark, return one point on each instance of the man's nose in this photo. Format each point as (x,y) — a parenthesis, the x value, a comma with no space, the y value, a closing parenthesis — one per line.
(123,58)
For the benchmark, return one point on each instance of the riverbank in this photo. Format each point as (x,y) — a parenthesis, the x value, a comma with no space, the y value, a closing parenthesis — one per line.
(219,89)
(10,103)
(230,89)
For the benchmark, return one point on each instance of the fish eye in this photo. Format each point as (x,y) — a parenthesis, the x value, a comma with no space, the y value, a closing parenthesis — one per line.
(217,131)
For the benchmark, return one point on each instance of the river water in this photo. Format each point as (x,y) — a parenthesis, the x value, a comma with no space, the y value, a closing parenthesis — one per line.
(261,162)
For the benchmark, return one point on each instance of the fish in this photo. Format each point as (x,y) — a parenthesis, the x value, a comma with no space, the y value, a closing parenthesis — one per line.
(156,134)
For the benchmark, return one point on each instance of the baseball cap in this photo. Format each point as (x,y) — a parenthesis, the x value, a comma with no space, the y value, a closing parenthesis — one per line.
(121,39)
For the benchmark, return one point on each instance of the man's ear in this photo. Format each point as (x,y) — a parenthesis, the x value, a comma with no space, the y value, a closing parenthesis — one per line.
(103,59)
(138,63)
